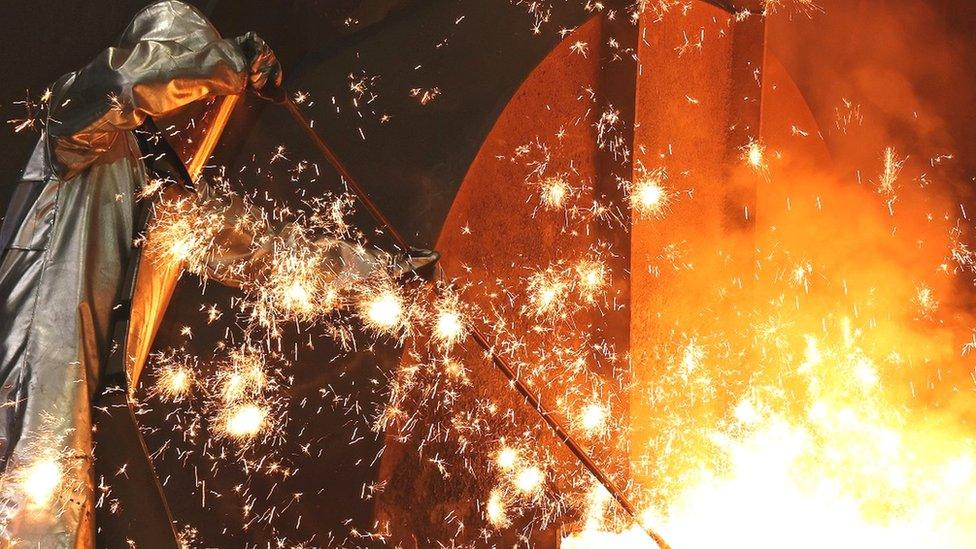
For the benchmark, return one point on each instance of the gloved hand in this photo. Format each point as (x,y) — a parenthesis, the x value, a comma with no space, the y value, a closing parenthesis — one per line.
(417,263)
(265,76)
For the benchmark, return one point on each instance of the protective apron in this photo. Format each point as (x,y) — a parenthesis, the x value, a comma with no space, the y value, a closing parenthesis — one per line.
(69,261)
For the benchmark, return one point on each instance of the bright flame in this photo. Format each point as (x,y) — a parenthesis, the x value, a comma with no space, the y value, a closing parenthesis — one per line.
(40,482)
(782,474)
(648,197)
(245,421)
(384,311)
(506,458)
(529,480)
(848,460)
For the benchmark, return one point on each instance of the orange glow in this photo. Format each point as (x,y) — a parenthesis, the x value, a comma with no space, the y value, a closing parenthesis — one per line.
(648,197)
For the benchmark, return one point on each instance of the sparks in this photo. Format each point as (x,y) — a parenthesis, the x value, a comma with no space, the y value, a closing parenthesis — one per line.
(529,480)
(507,457)
(495,509)
(244,421)
(174,382)
(889,175)
(593,418)
(591,278)
(547,291)
(40,482)
(383,312)
(647,196)
(449,328)
(754,153)
(554,191)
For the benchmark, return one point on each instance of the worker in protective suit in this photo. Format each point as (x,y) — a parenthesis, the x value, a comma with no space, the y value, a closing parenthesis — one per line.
(69,263)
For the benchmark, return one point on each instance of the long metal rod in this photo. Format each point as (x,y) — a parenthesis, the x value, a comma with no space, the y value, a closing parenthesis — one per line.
(357,189)
(499,362)
(566,438)
(194,167)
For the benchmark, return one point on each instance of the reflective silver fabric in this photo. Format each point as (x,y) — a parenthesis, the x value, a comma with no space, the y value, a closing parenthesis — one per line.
(67,241)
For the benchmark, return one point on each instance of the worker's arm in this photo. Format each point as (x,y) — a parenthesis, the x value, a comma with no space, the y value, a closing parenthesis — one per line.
(241,244)
(121,87)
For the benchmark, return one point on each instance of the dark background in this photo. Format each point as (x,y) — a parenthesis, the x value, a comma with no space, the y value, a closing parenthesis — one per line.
(411,164)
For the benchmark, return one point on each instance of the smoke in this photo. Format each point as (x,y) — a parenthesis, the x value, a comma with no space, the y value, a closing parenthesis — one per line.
(818,369)
(904,65)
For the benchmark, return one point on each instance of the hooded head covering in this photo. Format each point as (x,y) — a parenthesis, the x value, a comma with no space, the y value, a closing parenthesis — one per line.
(173,21)
(170,21)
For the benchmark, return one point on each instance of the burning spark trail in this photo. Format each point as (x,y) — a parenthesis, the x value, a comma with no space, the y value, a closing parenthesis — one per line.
(889,175)
(383,310)
(647,196)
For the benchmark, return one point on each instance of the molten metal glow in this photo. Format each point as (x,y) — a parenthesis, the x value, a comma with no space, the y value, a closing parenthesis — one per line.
(880,490)
(845,457)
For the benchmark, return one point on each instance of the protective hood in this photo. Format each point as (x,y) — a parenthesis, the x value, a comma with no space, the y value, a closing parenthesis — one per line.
(170,21)
(175,22)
